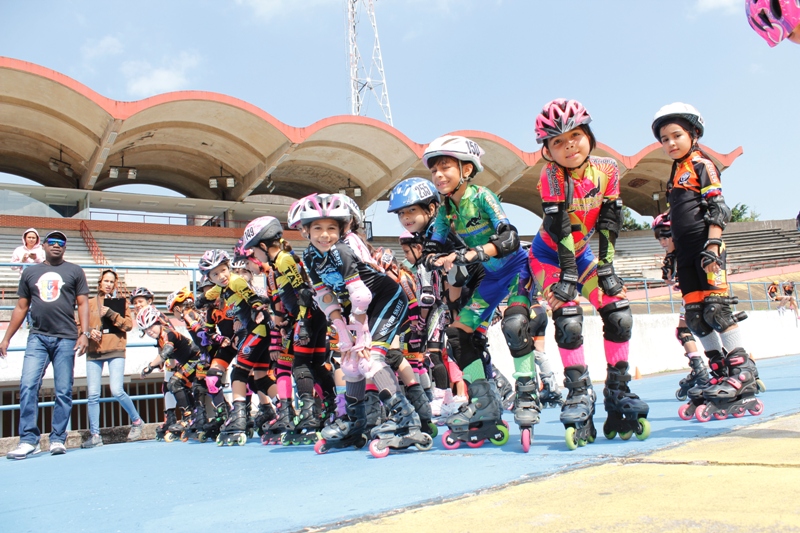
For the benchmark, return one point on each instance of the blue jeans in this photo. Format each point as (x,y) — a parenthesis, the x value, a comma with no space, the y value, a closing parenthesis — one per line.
(116,375)
(41,351)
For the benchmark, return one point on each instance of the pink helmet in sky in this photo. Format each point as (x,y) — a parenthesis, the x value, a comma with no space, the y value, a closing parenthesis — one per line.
(560,116)
(457,147)
(773,20)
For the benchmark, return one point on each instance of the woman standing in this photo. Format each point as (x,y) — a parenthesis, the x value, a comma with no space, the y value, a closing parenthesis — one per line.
(31,250)
(107,343)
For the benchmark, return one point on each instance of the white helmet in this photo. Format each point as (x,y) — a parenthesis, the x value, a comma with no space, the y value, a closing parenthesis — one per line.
(149,316)
(456,147)
(678,110)
(293,216)
(318,206)
(355,211)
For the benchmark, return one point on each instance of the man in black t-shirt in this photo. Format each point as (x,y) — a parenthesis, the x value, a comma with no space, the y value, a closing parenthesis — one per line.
(50,290)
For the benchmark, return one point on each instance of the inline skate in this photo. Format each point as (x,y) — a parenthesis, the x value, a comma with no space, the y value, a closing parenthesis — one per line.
(376,413)
(416,395)
(477,420)
(401,429)
(504,389)
(526,409)
(234,430)
(196,429)
(248,410)
(265,414)
(350,430)
(304,430)
(215,423)
(715,372)
(281,424)
(549,395)
(626,413)
(698,374)
(578,409)
(163,430)
(733,394)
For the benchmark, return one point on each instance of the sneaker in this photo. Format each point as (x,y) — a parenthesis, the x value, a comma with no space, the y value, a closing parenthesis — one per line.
(136,431)
(452,407)
(58,448)
(23,450)
(438,400)
(92,442)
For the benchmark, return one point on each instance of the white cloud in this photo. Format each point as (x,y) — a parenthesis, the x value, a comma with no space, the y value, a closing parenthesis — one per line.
(268,9)
(727,6)
(146,80)
(107,46)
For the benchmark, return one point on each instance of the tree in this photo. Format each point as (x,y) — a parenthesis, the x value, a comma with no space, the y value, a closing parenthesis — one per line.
(629,223)
(739,213)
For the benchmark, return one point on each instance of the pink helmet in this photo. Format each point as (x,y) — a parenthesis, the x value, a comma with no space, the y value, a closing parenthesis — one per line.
(560,116)
(662,226)
(411,238)
(773,20)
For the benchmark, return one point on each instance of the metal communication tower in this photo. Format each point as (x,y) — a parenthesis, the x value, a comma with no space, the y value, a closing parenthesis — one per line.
(361,79)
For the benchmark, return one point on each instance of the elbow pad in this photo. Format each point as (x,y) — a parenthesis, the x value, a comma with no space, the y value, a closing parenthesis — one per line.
(556,221)
(610,217)
(506,241)
(327,301)
(717,211)
(360,297)
(166,351)
(305,297)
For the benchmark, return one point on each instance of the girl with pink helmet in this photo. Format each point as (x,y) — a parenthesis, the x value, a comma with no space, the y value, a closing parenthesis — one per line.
(774,20)
(580,196)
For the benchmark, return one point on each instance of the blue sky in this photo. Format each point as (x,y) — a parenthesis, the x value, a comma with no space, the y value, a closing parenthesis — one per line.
(452,64)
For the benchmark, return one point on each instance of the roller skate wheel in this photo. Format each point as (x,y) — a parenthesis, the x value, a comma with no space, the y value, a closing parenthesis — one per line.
(758,409)
(202,437)
(582,442)
(625,435)
(184,437)
(449,442)
(680,395)
(241,439)
(761,386)
(434,430)
(425,446)
(683,412)
(219,440)
(502,429)
(170,437)
(609,434)
(476,444)
(643,431)
(721,415)
(738,413)
(569,439)
(702,414)
(376,451)
(525,436)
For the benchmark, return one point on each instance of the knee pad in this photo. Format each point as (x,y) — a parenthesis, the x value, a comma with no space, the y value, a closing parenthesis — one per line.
(393,358)
(617,321)
(516,329)
(693,315)
(176,384)
(538,324)
(717,313)
(462,350)
(240,374)
(569,327)
(684,335)
(263,384)
(302,371)
(199,389)
(350,369)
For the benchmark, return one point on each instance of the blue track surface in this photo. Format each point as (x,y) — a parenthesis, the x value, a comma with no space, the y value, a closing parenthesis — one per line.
(156,486)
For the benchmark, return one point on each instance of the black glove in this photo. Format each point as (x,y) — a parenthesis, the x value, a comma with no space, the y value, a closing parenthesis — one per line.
(566,289)
(609,281)
(668,267)
(480,256)
(146,371)
(708,257)
(302,335)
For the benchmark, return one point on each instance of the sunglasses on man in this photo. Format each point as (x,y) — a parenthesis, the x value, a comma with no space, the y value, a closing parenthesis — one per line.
(56,242)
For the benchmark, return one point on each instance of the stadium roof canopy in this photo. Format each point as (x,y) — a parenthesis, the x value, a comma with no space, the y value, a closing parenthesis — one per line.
(179,140)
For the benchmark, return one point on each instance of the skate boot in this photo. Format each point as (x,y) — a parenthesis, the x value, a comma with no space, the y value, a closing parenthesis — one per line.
(578,409)
(329,409)
(266,413)
(504,388)
(248,410)
(215,423)
(626,413)
(698,374)
(735,393)
(716,371)
(281,424)
(349,430)
(401,429)
(375,411)
(234,431)
(477,420)
(162,431)
(549,395)
(416,395)
(304,430)
(526,409)
(196,428)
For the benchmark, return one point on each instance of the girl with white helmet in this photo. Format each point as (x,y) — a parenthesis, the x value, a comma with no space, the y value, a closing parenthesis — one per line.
(698,215)
(580,196)
(254,339)
(305,328)
(478,218)
(345,285)
(774,20)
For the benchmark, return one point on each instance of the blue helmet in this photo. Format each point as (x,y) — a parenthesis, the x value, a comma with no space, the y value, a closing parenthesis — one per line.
(412,191)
